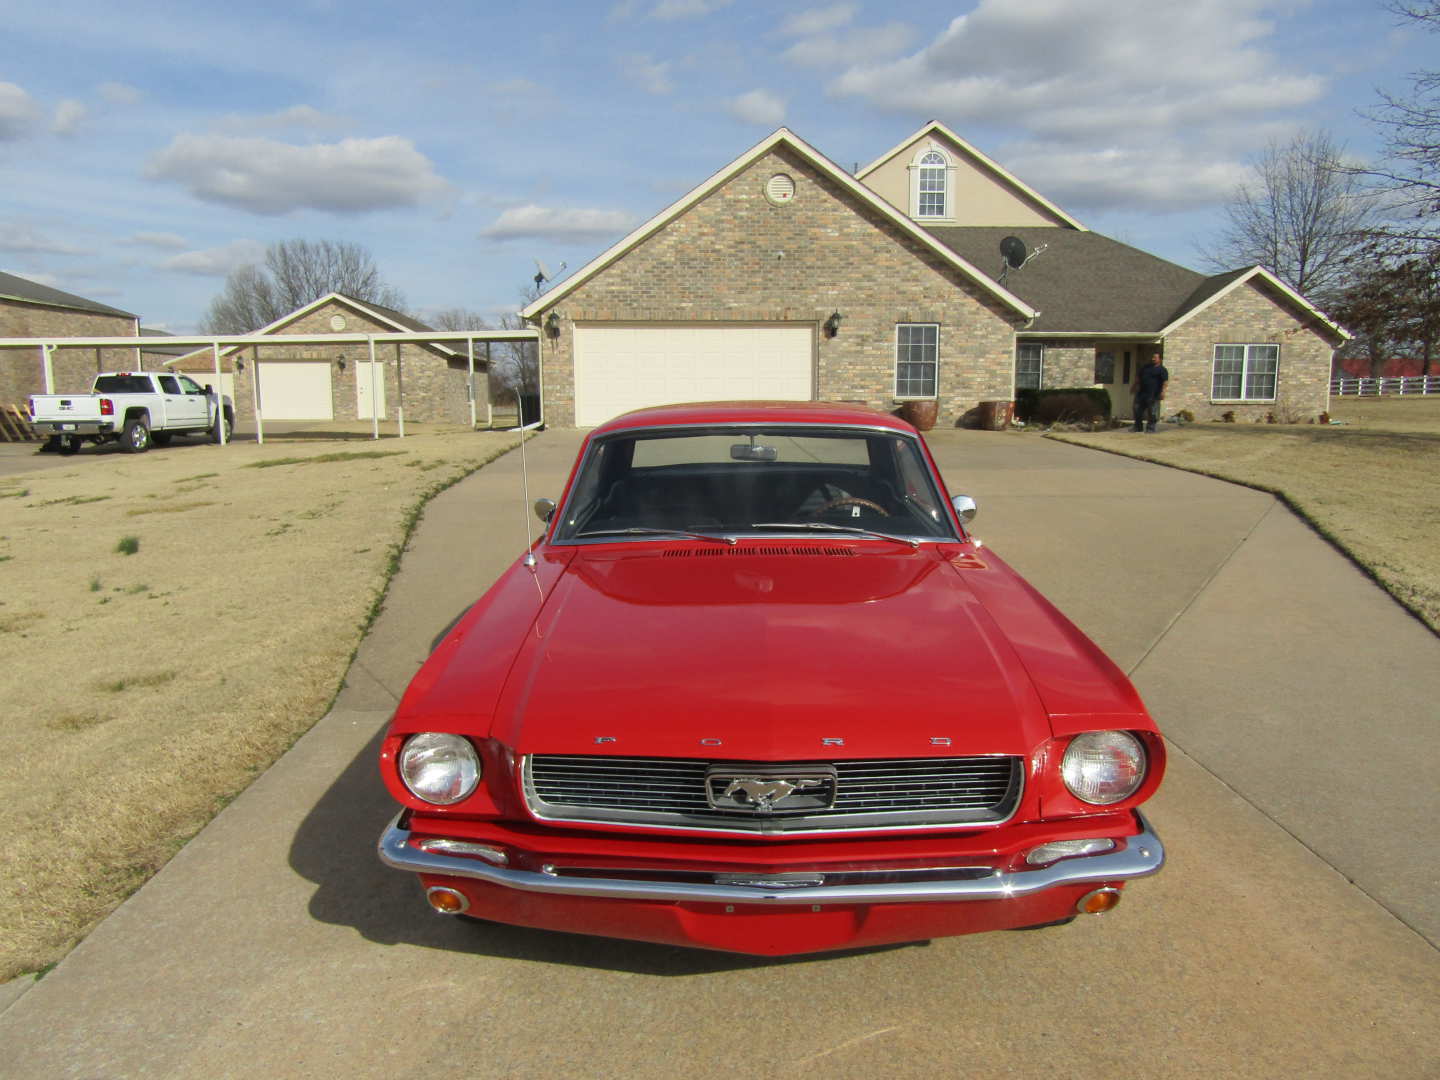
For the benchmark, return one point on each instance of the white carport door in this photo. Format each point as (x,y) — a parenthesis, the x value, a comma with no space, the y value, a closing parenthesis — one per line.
(619,368)
(295,391)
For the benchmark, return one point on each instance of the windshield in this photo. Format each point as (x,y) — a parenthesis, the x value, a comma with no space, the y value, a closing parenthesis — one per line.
(763,479)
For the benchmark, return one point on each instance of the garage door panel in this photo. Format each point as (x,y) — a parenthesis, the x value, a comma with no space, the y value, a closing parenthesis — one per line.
(295,391)
(622,368)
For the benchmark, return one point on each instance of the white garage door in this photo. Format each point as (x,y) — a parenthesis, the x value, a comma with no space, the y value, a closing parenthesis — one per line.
(619,368)
(299,391)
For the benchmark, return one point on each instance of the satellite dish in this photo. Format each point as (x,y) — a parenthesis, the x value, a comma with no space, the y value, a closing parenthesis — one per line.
(542,274)
(1012,249)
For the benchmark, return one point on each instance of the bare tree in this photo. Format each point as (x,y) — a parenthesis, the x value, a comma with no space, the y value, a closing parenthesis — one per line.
(1409,172)
(1393,308)
(1303,215)
(295,273)
(457,318)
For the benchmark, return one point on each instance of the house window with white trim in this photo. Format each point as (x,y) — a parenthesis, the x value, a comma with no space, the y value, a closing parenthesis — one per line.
(1029,365)
(917,359)
(1244,372)
(930,186)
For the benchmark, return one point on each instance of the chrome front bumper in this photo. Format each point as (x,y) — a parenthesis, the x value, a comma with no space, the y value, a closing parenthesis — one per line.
(1142,855)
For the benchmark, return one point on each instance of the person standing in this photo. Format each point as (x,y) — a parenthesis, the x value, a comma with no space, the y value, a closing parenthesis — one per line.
(1149,391)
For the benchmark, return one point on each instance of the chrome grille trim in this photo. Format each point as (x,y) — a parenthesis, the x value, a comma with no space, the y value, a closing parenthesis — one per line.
(884,793)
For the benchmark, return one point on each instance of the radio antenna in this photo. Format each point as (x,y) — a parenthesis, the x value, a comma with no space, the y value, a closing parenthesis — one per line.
(529,559)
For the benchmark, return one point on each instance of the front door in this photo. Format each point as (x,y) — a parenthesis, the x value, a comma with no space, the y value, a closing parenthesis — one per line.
(1115,373)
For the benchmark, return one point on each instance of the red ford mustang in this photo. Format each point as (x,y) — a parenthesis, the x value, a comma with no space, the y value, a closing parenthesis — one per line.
(757,689)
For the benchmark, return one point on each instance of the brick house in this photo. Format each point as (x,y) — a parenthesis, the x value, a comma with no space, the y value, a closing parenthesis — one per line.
(784,276)
(335,382)
(31,310)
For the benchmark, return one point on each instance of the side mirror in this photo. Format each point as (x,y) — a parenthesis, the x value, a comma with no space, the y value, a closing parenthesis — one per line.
(544,509)
(965,508)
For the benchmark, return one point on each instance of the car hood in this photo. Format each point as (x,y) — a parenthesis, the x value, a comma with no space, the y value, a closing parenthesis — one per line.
(753,653)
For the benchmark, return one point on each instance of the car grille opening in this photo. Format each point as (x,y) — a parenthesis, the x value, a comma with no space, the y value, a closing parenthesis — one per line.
(868,794)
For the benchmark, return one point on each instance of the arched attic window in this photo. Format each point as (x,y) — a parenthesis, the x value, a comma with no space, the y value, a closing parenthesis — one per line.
(931,185)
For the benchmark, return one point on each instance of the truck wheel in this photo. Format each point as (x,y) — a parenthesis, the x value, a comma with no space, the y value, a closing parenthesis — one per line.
(69,444)
(160,438)
(136,436)
(229,421)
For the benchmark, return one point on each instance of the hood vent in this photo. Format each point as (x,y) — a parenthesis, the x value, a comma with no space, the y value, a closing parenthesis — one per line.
(702,553)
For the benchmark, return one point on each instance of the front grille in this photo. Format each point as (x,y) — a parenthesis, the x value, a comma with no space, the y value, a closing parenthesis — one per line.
(869,794)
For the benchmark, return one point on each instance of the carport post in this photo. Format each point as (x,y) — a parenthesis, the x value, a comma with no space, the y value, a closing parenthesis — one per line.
(399,391)
(46,368)
(374,401)
(255,394)
(489,405)
(470,382)
(219,395)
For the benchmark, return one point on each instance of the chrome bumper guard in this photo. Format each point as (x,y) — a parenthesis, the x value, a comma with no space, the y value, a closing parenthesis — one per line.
(1142,855)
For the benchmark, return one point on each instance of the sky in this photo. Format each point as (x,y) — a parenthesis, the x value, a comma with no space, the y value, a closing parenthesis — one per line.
(147,149)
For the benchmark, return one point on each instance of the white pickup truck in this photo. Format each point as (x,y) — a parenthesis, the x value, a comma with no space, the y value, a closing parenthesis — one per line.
(136,407)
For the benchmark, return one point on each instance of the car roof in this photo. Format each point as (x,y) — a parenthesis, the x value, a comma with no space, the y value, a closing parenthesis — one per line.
(820,413)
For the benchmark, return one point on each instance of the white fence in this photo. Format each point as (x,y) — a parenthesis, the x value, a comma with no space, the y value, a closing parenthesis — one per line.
(1410,384)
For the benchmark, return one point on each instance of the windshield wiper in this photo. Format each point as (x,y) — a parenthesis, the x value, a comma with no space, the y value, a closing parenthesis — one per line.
(638,531)
(827,527)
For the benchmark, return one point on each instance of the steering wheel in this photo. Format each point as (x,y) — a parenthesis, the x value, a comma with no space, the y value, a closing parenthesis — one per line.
(850,500)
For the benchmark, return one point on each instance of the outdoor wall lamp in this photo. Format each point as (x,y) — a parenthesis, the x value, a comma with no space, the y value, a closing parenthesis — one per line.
(832,324)
(340,362)
(239,364)
(552,325)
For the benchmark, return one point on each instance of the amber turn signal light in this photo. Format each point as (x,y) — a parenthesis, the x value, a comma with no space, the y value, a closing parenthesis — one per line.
(446,901)
(1097,902)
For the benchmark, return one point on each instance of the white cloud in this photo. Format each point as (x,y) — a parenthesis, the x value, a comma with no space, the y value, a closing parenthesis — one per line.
(28,239)
(68,116)
(649,74)
(118,93)
(296,116)
(859,46)
(758,107)
(269,177)
(819,20)
(17,111)
(166,241)
(1073,78)
(669,10)
(216,261)
(539,222)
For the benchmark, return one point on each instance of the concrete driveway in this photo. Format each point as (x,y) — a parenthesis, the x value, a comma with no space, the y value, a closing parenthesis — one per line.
(1292,932)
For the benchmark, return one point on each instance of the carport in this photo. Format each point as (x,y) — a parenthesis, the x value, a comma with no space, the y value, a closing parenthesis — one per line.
(376,360)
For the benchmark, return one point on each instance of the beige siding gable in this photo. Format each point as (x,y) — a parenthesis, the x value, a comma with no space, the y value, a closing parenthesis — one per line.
(979,191)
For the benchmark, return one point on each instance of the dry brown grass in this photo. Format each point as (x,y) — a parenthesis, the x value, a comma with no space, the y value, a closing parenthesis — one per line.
(143,691)
(1371,484)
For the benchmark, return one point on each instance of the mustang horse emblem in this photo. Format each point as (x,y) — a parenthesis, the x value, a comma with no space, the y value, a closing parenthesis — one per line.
(761,795)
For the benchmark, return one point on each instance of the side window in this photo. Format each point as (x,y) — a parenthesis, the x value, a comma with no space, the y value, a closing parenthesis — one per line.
(1029,366)
(917,359)
(168,384)
(190,386)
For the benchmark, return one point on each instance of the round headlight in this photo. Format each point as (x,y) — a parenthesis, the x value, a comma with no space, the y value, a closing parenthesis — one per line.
(439,768)
(1103,767)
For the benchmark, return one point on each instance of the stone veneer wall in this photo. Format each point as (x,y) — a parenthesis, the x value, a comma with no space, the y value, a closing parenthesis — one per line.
(1067,363)
(735,257)
(21,371)
(1251,315)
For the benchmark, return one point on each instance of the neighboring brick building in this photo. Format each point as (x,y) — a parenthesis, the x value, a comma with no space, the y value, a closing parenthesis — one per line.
(31,310)
(335,382)
(783,276)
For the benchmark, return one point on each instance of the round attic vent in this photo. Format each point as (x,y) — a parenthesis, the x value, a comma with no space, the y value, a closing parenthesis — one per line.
(780,189)
(337,322)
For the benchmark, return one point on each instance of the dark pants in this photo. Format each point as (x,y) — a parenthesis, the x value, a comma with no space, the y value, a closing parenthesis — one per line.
(1147,412)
